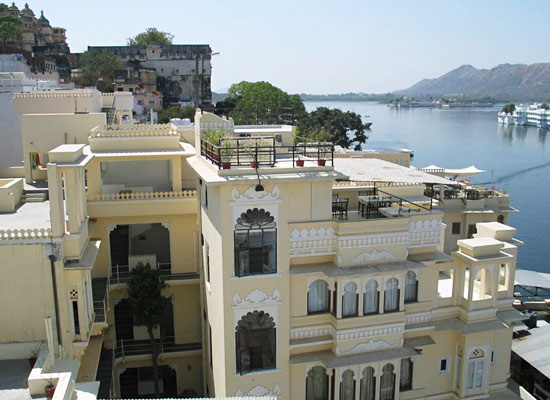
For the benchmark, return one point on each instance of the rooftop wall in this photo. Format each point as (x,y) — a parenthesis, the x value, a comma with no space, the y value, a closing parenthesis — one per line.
(66,101)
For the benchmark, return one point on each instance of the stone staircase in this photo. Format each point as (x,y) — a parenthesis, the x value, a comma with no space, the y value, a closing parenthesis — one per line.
(34,196)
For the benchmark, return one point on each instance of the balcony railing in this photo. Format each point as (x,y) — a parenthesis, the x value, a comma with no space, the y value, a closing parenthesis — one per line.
(134,347)
(121,274)
(100,295)
(262,151)
(129,195)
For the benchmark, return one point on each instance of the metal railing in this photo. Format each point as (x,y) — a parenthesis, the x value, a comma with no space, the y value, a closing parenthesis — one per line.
(135,347)
(257,151)
(259,115)
(121,274)
(101,306)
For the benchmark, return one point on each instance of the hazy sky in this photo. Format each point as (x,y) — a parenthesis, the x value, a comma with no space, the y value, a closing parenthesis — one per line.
(322,46)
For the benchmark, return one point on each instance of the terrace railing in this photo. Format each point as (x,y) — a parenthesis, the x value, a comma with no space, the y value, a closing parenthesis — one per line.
(129,195)
(121,274)
(135,347)
(261,151)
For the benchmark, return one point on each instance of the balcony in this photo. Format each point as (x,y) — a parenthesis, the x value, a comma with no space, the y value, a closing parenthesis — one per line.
(135,347)
(125,195)
(121,274)
(464,197)
(263,151)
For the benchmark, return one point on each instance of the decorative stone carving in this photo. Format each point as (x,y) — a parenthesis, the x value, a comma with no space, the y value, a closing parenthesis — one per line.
(250,195)
(371,345)
(260,391)
(255,297)
(373,256)
(425,232)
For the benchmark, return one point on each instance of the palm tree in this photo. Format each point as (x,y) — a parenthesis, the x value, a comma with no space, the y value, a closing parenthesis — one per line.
(148,305)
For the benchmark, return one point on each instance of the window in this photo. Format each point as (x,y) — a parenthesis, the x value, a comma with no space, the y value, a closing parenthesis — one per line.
(500,219)
(347,386)
(502,275)
(76,322)
(255,338)
(387,383)
(465,293)
(405,377)
(411,287)
(471,230)
(370,298)
(151,102)
(444,364)
(475,372)
(318,297)
(207,261)
(456,228)
(317,384)
(350,300)
(391,295)
(368,385)
(445,284)
(255,243)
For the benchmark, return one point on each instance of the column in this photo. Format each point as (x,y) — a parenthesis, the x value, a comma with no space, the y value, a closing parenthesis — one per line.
(401,287)
(176,174)
(71,201)
(361,292)
(57,208)
(339,301)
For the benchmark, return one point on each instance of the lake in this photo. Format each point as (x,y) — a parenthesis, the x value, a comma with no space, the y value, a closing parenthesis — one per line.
(517,158)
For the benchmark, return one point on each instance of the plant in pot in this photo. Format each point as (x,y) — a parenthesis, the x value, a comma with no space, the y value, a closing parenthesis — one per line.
(34,355)
(226,152)
(49,389)
(322,136)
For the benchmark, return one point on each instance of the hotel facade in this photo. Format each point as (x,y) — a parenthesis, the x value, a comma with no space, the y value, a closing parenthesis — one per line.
(293,271)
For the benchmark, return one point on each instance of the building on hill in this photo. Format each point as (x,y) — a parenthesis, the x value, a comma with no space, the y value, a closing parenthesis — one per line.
(183,72)
(291,273)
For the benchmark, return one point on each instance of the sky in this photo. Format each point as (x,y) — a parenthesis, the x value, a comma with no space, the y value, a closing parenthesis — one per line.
(322,46)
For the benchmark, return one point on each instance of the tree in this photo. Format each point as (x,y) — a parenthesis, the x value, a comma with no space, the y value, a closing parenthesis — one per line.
(339,127)
(148,305)
(10,30)
(263,103)
(97,65)
(176,112)
(509,108)
(151,36)
(545,106)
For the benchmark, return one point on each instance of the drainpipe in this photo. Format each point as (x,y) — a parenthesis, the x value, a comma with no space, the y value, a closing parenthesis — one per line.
(56,307)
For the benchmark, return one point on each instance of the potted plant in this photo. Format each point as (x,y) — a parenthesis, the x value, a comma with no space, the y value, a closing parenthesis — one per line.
(299,161)
(226,152)
(49,389)
(322,137)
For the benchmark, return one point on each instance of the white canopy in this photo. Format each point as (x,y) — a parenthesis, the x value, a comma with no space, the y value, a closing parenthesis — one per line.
(457,172)
(376,170)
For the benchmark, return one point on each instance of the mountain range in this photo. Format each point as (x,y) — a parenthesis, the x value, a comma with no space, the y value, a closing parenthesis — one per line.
(506,82)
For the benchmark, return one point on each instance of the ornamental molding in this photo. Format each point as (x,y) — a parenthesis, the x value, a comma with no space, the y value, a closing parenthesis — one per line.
(250,195)
(417,318)
(348,334)
(369,346)
(256,297)
(373,256)
(260,391)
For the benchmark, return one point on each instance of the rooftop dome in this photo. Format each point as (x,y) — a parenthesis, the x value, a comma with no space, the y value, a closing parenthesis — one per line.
(43,20)
(13,7)
(27,10)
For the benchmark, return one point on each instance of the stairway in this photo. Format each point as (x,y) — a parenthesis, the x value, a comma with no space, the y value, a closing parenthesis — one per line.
(34,196)
(105,374)
(99,289)
(124,321)
(110,113)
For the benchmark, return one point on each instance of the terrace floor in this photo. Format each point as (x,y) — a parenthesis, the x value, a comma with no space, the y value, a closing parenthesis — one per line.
(27,216)
(13,379)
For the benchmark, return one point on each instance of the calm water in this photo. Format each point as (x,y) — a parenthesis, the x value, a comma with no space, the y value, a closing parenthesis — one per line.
(517,159)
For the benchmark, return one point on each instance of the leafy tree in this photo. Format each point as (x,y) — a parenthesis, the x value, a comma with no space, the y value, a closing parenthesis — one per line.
(334,125)
(97,65)
(10,30)
(509,108)
(151,36)
(176,112)
(3,7)
(545,106)
(263,103)
(225,106)
(148,305)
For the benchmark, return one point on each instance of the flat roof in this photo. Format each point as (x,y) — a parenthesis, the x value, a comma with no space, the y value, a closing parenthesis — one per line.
(376,170)
(529,348)
(27,216)
(13,379)
(532,278)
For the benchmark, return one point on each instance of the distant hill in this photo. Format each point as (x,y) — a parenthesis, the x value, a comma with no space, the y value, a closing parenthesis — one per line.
(517,82)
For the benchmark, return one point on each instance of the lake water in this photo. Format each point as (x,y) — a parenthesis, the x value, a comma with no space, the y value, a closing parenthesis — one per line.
(517,158)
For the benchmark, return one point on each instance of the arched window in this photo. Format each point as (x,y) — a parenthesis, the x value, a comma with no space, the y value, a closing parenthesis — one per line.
(500,218)
(387,383)
(349,300)
(476,369)
(368,384)
(255,243)
(391,295)
(370,299)
(255,338)
(317,384)
(318,297)
(483,285)
(411,287)
(347,386)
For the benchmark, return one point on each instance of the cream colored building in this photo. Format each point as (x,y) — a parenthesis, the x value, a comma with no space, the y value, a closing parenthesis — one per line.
(328,280)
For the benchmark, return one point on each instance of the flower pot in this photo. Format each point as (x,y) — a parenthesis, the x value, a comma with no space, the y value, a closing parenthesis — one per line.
(321,163)
(299,163)
(254,165)
(49,391)
(226,165)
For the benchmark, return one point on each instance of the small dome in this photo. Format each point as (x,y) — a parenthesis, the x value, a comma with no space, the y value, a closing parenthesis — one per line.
(13,7)
(27,10)
(43,20)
